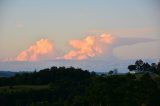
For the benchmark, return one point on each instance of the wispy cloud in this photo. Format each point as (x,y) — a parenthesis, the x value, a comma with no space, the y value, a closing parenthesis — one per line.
(130,32)
(19,25)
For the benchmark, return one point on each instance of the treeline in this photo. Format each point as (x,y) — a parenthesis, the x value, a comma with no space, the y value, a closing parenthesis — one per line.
(46,76)
(76,87)
(141,66)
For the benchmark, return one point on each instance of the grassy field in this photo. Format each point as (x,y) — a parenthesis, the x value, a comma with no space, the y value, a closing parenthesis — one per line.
(22,88)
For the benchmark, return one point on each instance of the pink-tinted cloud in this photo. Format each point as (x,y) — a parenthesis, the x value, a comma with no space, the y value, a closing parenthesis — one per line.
(90,46)
(34,52)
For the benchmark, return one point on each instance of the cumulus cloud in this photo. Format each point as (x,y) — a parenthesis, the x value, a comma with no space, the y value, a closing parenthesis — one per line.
(34,52)
(90,46)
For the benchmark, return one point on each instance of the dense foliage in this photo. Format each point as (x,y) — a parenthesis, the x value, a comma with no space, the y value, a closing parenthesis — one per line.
(75,87)
(141,66)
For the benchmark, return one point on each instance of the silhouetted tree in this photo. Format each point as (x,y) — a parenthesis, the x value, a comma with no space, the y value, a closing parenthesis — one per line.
(158,67)
(139,64)
(154,67)
(110,72)
(132,67)
(146,67)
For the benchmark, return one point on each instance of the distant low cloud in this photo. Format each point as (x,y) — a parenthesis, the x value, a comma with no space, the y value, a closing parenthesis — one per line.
(19,25)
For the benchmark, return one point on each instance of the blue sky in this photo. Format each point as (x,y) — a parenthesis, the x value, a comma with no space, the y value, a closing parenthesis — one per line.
(23,22)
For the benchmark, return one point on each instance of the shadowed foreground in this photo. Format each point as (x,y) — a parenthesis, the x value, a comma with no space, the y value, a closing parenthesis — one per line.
(76,87)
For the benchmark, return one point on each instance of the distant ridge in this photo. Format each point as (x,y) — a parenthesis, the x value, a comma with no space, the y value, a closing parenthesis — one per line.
(7,73)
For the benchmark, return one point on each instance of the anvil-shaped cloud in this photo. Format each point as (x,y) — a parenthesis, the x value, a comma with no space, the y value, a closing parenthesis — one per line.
(135,48)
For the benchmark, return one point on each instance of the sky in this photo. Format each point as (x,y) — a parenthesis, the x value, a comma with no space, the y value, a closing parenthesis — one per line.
(82,31)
